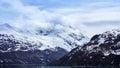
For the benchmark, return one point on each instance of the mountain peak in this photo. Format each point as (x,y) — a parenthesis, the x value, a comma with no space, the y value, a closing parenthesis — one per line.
(46,44)
(5,26)
(102,50)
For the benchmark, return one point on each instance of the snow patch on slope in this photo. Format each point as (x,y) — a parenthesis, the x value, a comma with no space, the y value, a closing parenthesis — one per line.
(60,36)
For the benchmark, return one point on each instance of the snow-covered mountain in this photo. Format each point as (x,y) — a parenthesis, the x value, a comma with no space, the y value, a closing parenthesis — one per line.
(48,42)
(102,49)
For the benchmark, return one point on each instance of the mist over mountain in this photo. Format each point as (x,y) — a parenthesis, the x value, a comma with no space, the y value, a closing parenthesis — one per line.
(40,46)
(82,15)
(42,31)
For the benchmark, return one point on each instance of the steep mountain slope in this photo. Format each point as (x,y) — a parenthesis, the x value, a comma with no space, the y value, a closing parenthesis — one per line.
(37,47)
(102,49)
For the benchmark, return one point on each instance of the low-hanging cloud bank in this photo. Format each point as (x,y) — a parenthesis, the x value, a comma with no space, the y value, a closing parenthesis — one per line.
(88,17)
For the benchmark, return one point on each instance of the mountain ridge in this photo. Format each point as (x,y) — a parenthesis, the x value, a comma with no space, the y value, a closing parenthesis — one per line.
(57,42)
(102,50)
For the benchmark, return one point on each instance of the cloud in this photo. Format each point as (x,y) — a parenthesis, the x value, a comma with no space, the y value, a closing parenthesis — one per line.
(24,17)
(87,16)
(93,21)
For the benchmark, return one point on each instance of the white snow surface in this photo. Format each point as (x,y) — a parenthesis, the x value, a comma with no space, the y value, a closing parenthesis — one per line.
(94,45)
(102,39)
(59,36)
